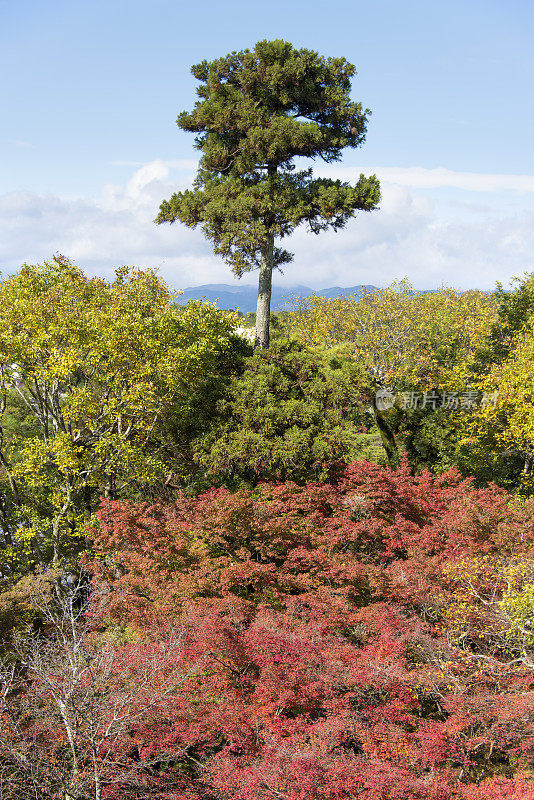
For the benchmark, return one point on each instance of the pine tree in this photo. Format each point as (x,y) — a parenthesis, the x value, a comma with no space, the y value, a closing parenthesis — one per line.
(258,111)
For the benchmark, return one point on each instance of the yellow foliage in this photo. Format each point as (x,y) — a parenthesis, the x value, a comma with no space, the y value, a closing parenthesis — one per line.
(507,426)
(493,599)
(405,338)
(99,365)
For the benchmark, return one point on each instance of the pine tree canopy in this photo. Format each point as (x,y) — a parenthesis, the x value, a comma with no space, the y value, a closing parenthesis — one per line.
(258,111)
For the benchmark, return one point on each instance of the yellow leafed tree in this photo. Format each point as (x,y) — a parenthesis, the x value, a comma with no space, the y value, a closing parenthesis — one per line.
(97,366)
(505,430)
(405,338)
(408,341)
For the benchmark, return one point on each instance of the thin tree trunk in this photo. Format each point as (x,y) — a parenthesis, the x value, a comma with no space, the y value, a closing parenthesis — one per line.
(111,489)
(263,308)
(388,439)
(56,527)
(63,710)
(98,785)
(12,483)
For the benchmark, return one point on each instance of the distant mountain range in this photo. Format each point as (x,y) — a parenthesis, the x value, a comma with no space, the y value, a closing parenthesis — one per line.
(244,297)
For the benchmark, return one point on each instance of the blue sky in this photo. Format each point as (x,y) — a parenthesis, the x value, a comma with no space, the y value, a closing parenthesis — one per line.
(89,144)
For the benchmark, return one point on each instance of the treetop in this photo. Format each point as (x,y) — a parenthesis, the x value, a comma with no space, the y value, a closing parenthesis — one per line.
(263,107)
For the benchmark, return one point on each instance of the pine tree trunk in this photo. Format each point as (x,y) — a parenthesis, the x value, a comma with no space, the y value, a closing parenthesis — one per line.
(263,308)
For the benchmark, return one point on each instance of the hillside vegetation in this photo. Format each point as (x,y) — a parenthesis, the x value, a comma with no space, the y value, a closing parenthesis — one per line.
(297,573)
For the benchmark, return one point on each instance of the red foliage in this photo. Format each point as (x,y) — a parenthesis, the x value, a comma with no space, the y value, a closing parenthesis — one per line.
(315,612)
(375,533)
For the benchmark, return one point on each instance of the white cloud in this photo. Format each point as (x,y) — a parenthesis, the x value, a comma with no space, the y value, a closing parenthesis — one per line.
(440,177)
(408,236)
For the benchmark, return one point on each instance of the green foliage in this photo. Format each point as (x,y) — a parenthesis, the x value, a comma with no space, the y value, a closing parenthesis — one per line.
(481,452)
(407,341)
(294,413)
(508,428)
(185,425)
(515,309)
(259,110)
(498,443)
(96,369)
(429,436)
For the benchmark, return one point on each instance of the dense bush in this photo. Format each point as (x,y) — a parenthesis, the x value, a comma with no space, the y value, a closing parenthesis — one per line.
(295,413)
(348,645)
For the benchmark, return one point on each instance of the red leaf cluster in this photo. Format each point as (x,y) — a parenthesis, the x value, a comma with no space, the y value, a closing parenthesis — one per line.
(318,615)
